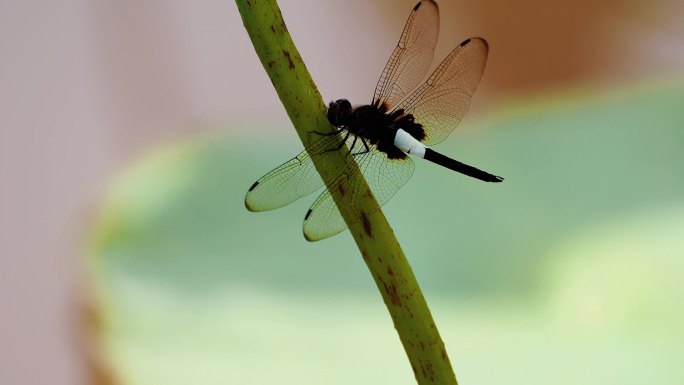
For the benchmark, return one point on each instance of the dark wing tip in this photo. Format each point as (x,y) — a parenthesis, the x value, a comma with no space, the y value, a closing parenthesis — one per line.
(496,179)
(308,236)
(418,5)
(472,39)
(248,205)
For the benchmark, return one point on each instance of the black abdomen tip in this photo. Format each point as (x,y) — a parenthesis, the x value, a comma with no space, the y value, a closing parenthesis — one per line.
(254,185)
(465,42)
(307,214)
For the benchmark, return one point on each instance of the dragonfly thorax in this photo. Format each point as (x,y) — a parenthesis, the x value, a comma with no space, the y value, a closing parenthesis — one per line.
(374,125)
(364,121)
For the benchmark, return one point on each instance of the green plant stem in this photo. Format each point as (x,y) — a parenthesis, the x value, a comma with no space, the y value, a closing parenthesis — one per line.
(374,237)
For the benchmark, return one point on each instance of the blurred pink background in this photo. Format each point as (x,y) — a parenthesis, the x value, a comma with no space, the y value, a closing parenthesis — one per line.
(86,86)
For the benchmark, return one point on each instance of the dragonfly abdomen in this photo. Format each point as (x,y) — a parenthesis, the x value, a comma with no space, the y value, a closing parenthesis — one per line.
(410,145)
(407,143)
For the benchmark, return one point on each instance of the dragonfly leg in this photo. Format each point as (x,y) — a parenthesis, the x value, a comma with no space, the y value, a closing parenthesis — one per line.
(352,145)
(340,145)
(366,148)
(328,133)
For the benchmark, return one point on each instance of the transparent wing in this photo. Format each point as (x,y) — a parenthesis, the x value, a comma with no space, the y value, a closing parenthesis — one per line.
(291,180)
(411,59)
(384,176)
(443,100)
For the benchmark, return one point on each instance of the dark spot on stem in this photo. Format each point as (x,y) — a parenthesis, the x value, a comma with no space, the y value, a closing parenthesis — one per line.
(366,225)
(271,64)
(391,291)
(390,271)
(273,29)
(289,59)
(431,370)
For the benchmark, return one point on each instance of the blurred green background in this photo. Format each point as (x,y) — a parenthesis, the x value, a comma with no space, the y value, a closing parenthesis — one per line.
(568,272)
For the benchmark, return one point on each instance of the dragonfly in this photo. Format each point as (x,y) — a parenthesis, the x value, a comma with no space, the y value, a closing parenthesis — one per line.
(404,118)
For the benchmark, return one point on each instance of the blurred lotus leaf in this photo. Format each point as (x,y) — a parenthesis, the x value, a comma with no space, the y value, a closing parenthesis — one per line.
(569,272)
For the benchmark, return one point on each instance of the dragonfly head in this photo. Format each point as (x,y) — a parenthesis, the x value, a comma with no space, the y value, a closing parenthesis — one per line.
(339,112)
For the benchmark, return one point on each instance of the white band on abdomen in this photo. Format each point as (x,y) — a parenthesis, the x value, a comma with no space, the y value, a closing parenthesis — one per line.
(405,142)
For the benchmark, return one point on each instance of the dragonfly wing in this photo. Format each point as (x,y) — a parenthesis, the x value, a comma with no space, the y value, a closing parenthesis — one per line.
(442,101)
(384,177)
(291,180)
(411,59)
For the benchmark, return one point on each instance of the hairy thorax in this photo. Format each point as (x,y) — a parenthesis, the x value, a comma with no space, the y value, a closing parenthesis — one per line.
(379,128)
